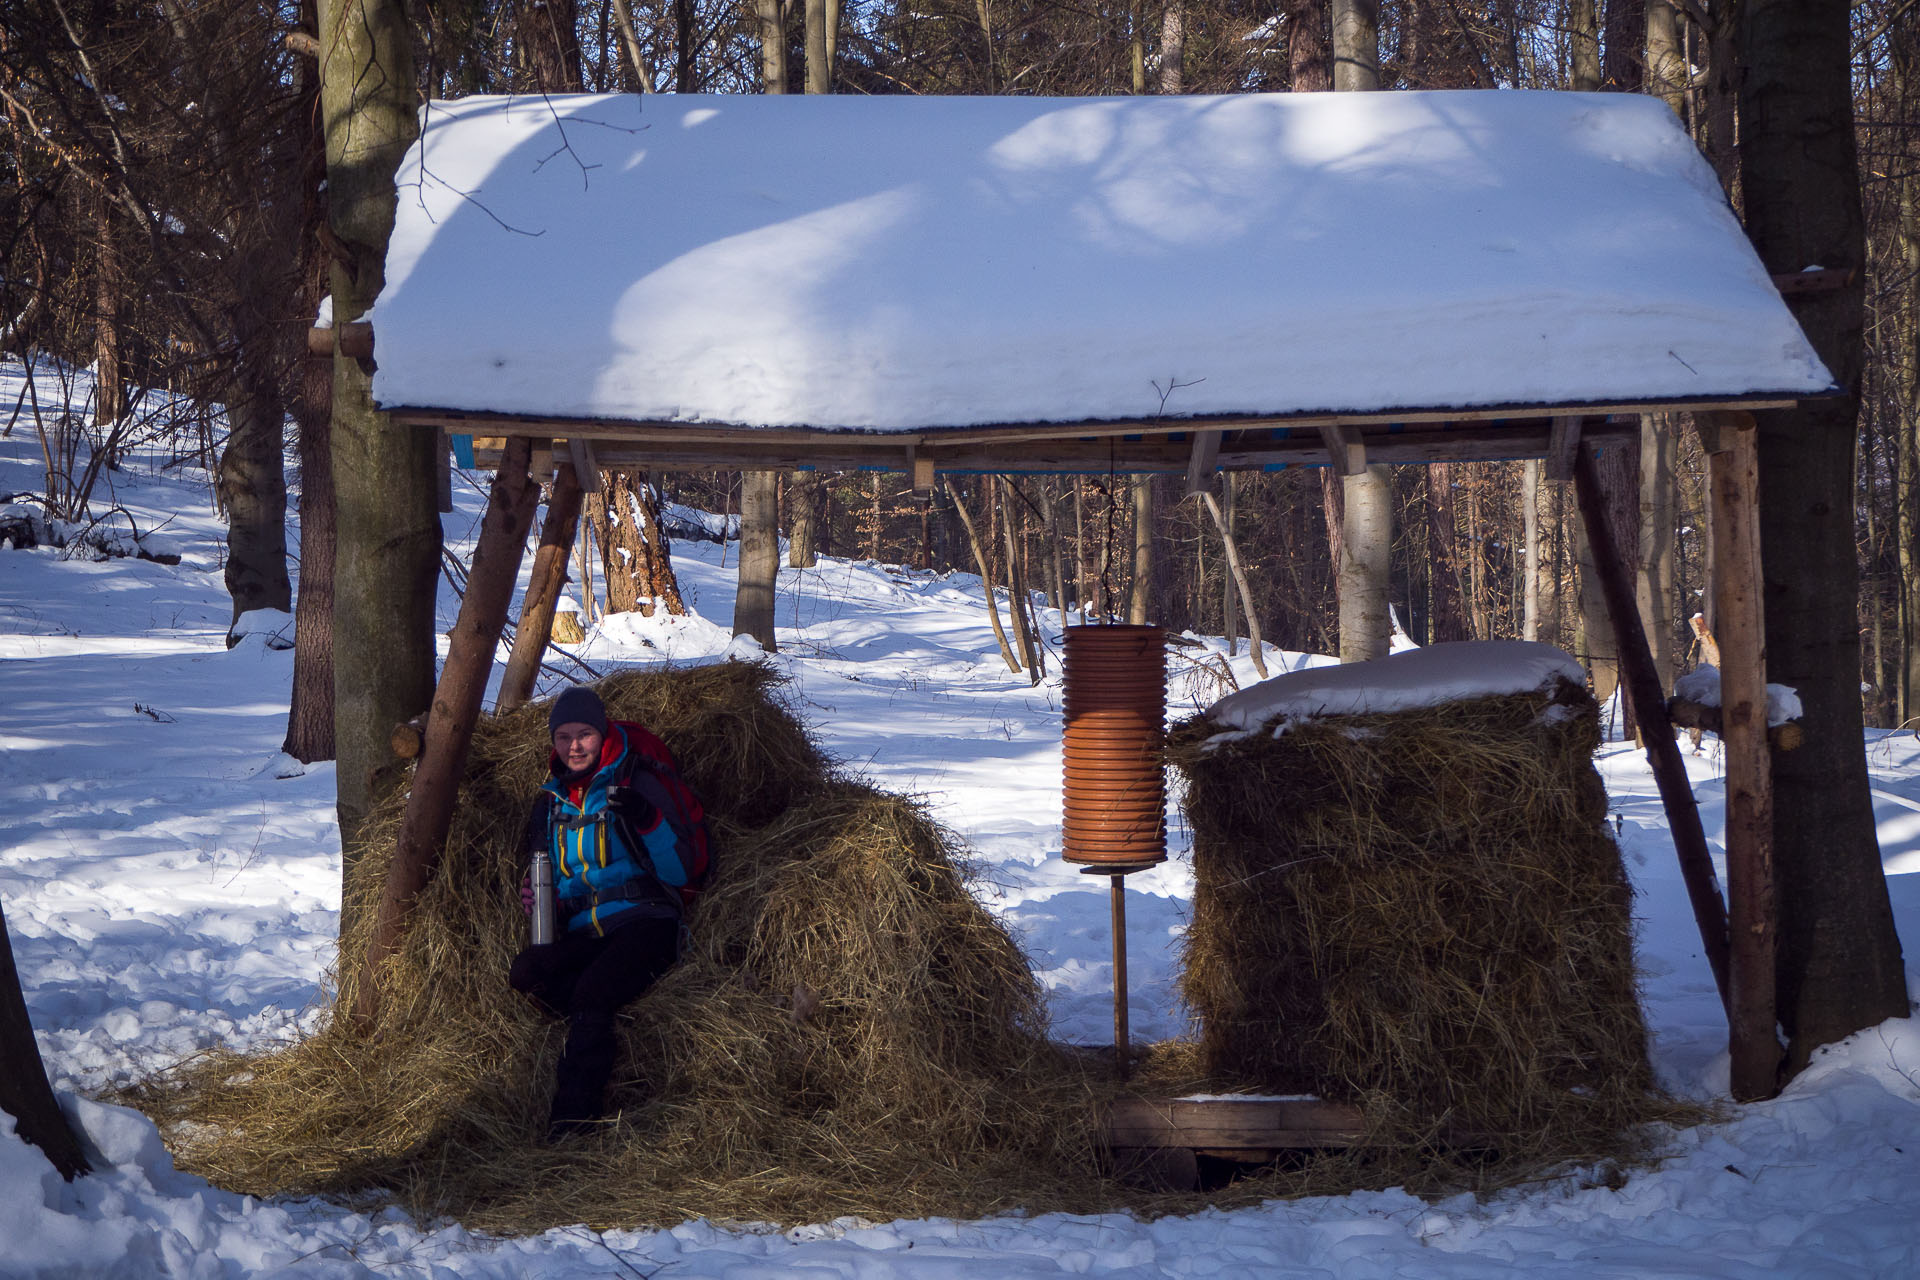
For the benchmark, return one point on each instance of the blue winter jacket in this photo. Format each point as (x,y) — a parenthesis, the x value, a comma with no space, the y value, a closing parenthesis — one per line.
(604,867)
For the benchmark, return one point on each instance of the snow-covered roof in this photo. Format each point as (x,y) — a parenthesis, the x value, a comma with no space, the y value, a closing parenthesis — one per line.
(901,263)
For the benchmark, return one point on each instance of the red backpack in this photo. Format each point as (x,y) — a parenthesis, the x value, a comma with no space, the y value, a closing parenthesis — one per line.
(690,822)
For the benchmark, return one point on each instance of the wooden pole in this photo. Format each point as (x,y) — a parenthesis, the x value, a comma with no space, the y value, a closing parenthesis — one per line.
(1733,469)
(531,637)
(456,709)
(1642,687)
(1117,899)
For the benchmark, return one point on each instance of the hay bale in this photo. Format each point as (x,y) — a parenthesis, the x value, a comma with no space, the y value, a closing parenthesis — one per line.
(1421,912)
(851,1033)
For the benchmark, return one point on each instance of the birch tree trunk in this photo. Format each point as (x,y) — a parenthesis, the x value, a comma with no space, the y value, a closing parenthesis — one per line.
(1239,578)
(1173,47)
(1140,595)
(1366,546)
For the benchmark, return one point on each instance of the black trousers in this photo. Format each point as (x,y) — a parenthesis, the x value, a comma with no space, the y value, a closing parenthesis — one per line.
(587,980)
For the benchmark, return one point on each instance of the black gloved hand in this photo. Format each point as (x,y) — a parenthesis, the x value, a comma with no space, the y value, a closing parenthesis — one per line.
(631,805)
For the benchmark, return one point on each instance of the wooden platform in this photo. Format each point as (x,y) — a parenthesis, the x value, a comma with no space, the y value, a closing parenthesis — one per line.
(1159,1141)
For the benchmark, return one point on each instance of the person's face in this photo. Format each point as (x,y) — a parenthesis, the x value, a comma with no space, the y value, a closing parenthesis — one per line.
(577,745)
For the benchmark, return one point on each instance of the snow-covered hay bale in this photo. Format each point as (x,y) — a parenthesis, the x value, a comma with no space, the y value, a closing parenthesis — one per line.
(850,1033)
(1407,898)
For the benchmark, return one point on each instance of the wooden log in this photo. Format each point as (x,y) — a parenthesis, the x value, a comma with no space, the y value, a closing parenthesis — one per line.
(535,630)
(1642,685)
(408,740)
(1698,716)
(355,338)
(1202,462)
(455,711)
(1733,470)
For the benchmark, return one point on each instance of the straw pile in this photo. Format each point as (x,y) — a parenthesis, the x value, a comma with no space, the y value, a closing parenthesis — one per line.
(850,1033)
(1422,913)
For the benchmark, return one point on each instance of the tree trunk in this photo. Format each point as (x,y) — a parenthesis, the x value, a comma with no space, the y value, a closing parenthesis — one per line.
(1447,618)
(804,492)
(1615,470)
(1140,595)
(759,556)
(1839,961)
(1530,604)
(1356,45)
(1239,578)
(1666,66)
(24,1092)
(310,717)
(771,16)
(253,490)
(456,709)
(387,525)
(549,579)
(1584,34)
(819,74)
(1654,583)
(1023,636)
(986,578)
(1626,29)
(1309,51)
(1366,548)
(1173,47)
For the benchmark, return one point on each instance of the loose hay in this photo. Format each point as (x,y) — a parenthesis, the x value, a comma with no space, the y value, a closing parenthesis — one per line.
(851,1033)
(1422,913)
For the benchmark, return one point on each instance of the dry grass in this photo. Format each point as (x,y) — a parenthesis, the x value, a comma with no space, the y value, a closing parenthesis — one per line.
(851,1033)
(1422,913)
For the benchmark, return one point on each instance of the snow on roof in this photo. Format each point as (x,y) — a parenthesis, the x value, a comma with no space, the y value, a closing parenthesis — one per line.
(899,262)
(1414,678)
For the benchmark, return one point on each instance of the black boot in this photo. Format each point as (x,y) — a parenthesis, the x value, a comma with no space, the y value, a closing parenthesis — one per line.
(580,1083)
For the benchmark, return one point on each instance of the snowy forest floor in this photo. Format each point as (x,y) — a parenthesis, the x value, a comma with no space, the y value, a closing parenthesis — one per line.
(167,889)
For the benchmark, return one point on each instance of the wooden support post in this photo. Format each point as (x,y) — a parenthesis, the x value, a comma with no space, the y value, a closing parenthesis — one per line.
(535,630)
(1117,899)
(456,709)
(1563,440)
(922,468)
(1346,451)
(1641,685)
(1733,469)
(1203,460)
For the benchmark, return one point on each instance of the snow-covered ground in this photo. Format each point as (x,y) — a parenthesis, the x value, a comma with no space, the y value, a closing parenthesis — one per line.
(165,890)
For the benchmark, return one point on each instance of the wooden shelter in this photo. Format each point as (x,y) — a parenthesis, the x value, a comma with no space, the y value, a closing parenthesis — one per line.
(1175,285)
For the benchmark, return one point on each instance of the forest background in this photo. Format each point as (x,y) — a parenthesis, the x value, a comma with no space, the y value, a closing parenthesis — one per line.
(164,221)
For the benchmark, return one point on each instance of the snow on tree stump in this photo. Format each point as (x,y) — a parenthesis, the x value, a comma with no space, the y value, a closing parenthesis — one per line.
(566,623)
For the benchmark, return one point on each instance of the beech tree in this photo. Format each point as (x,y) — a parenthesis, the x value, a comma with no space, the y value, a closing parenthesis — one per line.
(1839,958)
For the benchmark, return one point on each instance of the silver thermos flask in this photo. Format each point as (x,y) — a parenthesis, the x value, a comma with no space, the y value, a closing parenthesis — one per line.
(542,876)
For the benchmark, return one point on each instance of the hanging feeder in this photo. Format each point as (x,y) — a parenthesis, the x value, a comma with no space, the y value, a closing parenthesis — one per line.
(1116,789)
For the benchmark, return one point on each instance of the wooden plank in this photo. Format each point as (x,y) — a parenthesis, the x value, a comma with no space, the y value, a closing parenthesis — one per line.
(467,422)
(1733,470)
(1231,1123)
(1240,452)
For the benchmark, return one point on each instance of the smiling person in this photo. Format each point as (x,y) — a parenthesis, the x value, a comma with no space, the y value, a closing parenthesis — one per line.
(629,849)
